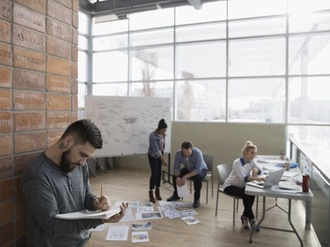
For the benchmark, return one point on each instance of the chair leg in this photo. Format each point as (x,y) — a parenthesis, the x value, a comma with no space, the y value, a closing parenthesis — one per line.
(207,192)
(212,185)
(216,205)
(234,212)
(190,187)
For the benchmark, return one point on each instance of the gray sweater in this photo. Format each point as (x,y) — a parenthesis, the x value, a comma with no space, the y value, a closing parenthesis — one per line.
(48,191)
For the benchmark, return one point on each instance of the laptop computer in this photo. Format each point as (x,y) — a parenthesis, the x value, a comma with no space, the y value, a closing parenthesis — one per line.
(273,178)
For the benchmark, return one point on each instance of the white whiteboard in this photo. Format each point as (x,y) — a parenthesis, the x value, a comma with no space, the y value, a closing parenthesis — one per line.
(126,122)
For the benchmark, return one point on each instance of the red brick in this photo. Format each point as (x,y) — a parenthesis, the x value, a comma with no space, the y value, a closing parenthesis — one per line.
(58,120)
(29,59)
(5,77)
(28,100)
(74,86)
(5,99)
(5,54)
(59,29)
(59,84)
(28,38)
(5,122)
(5,32)
(5,13)
(37,5)
(74,116)
(58,66)
(58,47)
(21,161)
(5,144)
(20,225)
(7,211)
(29,18)
(29,121)
(58,102)
(53,137)
(74,101)
(28,79)
(75,19)
(7,189)
(28,142)
(18,182)
(66,3)
(75,5)
(75,36)
(59,12)
(74,68)
(6,165)
(74,56)
(7,235)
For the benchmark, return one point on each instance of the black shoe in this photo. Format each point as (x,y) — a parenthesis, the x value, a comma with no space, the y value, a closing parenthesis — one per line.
(174,197)
(196,204)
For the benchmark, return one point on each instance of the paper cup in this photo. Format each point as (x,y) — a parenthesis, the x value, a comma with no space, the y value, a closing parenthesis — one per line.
(287,166)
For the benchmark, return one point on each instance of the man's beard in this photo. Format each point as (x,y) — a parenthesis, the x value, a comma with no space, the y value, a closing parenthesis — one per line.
(66,163)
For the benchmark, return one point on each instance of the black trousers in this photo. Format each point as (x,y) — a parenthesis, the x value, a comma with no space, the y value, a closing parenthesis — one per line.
(156,172)
(197,179)
(247,200)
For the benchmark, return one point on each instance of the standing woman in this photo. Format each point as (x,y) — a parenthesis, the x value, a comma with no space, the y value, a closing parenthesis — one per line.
(156,159)
(244,170)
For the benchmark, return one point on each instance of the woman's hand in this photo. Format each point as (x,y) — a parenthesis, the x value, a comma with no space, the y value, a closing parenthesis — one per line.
(117,217)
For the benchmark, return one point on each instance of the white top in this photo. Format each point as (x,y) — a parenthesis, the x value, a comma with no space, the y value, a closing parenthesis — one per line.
(240,173)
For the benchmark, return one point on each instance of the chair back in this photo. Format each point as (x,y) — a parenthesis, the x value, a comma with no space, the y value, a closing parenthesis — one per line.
(209,162)
(223,172)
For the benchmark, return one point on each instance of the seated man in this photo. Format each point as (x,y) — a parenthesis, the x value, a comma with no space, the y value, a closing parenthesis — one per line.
(194,168)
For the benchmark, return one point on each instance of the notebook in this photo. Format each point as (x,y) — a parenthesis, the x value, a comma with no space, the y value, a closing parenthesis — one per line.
(273,178)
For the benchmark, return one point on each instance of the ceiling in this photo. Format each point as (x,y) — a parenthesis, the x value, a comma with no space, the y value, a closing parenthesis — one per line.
(124,7)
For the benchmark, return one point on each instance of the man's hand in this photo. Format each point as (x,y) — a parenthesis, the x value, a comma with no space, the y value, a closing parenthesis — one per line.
(102,203)
(117,217)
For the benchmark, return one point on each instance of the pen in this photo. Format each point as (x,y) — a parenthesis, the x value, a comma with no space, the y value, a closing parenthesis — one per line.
(101,194)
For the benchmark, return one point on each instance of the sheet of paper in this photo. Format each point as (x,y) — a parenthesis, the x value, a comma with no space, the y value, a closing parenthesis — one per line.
(89,214)
(138,237)
(183,190)
(117,233)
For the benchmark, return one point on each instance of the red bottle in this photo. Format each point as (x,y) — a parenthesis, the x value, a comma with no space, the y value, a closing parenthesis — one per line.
(305,183)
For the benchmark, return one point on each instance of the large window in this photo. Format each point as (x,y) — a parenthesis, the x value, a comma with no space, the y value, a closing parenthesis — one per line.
(230,61)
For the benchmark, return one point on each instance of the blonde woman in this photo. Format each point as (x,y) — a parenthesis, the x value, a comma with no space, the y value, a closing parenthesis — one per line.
(244,170)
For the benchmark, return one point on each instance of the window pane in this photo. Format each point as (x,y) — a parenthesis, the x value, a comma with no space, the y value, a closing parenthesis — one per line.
(304,7)
(201,60)
(200,100)
(256,100)
(309,101)
(82,91)
(214,11)
(201,32)
(253,8)
(110,42)
(251,57)
(257,27)
(110,27)
(162,89)
(152,64)
(83,23)
(82,66)
(309,54)
(152,19)
(82,42)
(154,37)
(110,66)
(309,22)
(111,89)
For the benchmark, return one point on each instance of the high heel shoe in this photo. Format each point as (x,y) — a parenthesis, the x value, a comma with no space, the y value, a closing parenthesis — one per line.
(253,225)
(245,223)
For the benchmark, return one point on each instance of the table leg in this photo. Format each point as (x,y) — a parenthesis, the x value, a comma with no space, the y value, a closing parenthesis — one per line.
(262,218)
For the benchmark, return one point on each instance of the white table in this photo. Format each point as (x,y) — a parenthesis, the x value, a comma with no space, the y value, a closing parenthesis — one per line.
(305,196)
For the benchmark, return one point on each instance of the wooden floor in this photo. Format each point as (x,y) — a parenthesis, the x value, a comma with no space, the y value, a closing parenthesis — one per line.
(127,184)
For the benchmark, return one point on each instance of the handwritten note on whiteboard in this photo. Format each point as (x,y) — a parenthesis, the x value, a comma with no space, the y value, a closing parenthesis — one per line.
(126,122)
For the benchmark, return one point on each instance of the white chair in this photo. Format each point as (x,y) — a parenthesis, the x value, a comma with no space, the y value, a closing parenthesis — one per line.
(209,162)
(223,172)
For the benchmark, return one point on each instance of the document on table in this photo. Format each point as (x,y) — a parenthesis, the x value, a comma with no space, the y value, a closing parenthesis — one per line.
(183,190)
(117,233)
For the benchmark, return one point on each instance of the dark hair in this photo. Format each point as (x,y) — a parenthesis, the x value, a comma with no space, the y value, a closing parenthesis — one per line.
(83,131)
(186,145)
(162,124)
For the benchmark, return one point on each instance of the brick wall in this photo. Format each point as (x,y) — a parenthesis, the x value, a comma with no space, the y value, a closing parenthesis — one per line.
(38,93)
